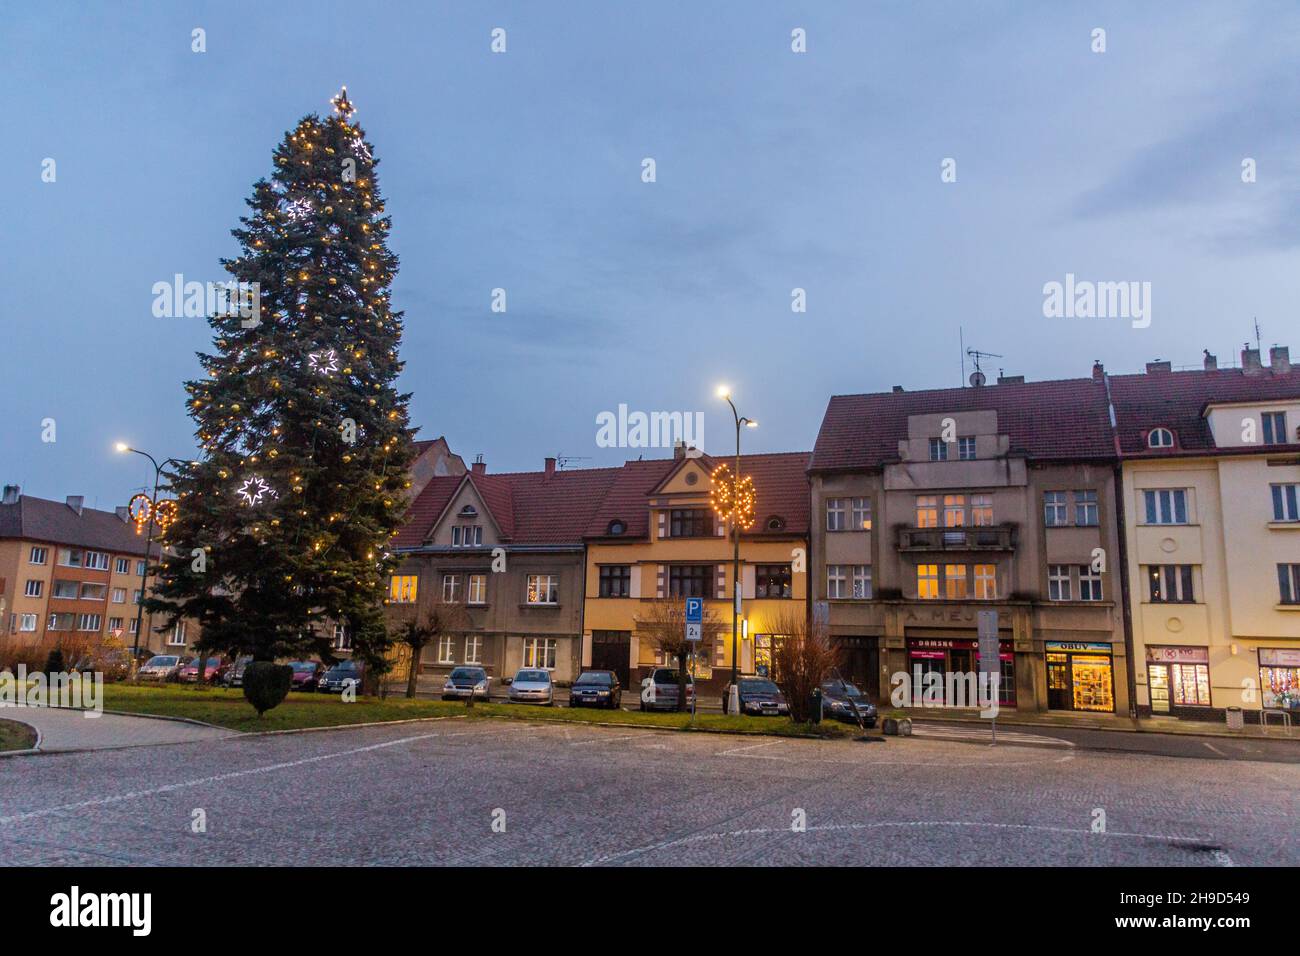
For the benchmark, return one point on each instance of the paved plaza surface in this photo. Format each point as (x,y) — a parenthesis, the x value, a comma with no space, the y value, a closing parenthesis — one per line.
(64,729)
(430,793)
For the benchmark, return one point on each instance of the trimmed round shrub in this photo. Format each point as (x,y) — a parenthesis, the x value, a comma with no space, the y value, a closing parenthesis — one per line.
(54,664)
(266,684)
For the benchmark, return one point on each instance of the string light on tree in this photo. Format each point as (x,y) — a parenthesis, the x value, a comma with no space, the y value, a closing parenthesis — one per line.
(140,509)
(732,501)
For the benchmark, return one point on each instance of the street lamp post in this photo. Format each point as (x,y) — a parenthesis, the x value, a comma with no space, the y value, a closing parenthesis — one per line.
(148,545)
(733,697)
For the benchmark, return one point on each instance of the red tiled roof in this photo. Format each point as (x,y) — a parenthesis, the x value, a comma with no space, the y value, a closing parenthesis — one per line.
(1177,400)
(38,519)
(1054,420)
(568,506)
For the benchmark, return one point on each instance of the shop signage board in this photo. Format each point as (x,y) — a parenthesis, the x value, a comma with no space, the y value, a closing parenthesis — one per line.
(1178,655)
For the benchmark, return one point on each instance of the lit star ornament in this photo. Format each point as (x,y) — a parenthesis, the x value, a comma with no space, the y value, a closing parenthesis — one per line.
(254,489)
(342,105)
(732,501)
(325,361)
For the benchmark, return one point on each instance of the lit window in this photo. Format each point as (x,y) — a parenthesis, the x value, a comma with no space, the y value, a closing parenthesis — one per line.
(476,592)
(927,511)
(1170,584)
(861,514)
(403,588)
(543,589)
(927,581)
(539,652)
(954,581)
(954,511)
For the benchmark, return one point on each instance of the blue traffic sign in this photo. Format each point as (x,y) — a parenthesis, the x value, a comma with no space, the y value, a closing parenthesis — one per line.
(694,610)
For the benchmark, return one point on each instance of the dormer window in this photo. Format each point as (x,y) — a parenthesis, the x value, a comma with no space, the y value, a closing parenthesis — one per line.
(617,526)
(1160,438)
(776,523)
(469,511)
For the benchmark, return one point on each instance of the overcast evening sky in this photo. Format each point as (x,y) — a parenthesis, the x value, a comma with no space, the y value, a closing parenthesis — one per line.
(522,170)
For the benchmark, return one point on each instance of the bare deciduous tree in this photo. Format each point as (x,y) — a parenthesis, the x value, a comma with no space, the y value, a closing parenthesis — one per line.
(422,626)
(803,656)
(663,623)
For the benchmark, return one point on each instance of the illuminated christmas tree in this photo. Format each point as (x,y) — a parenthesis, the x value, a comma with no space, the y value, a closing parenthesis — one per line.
(305,442)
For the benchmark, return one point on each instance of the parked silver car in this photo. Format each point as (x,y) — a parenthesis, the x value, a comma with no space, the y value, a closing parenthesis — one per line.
(162,667)
(532,686)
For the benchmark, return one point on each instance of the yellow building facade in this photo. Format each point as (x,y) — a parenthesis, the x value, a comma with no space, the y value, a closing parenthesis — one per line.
(656,537)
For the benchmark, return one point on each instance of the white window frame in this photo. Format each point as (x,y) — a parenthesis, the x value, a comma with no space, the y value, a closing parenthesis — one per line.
(1056,509)
(115,624)
(540,652)
(96,561)
(38,555)
(27,622)
(93,620)
(118,596)
(1164,503)
(1286,502)
(534,589)
(929,505)
(954,511)
(835,512)
(476,592)
(473,649)
(71,558)
(1171,579)
(986,582)
(1160,438)
(1087,513)
(1090,588)
(955,585)
(981,511)
(860,513)
(176,636)
(404,588)
(1288,576)
(938,449)
(451,589)
(966,443)
(33,588)
(342,639)
(447,649)
(1059,587)
(140,568)
(122,566)
(1270,434)
(835,582)
(861,582)
(56,596)
(923,574)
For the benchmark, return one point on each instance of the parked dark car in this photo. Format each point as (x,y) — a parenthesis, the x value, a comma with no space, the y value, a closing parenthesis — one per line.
(189,674)
(339,677)
(465,682)
(839,698)
(306,674)
(234,676)
(596,689)
(659,690)
(759,697)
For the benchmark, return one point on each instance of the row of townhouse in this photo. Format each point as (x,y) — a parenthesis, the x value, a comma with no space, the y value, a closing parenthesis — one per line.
(68,572)
(1138,535)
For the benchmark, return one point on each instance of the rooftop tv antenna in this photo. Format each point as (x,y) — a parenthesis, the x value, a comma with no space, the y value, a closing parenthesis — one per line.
(977,377)
(563,460)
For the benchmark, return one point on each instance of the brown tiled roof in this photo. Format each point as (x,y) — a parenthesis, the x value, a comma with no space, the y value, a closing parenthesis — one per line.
(38,519)
(567,506)
(1177,401)
(1055,420)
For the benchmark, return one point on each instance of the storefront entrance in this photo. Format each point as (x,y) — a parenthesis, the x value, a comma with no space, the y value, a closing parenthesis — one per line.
(1080,677)
(945,656)
(1178,677)
(1279,678)
(860,663)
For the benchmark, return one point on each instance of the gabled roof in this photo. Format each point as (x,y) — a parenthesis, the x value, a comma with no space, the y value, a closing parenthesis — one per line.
(38,519)
(780,489)
(1055,420)
(1178,401)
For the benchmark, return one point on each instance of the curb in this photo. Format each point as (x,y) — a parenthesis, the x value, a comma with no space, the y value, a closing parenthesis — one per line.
(954,719)
(34,749)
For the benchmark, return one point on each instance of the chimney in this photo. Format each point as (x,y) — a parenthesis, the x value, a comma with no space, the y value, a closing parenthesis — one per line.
(1279,357)
(1011,380)
(1098,370)
(679,450)
(123,512)
(1250,361)
(1211,361)
(75,502)
(550,467)
(1159,365)
(479,467)
(11,494)
(898,389)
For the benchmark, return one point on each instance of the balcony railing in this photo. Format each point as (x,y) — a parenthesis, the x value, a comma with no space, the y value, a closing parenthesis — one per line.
(998,537)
